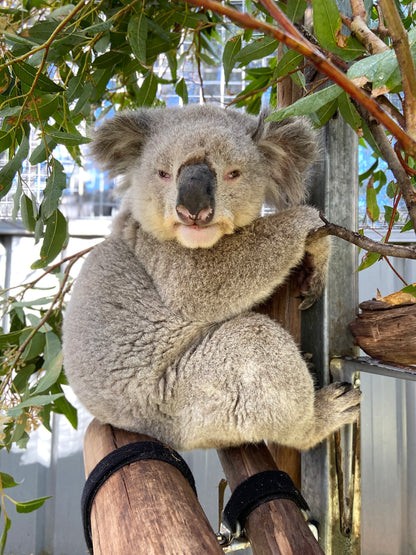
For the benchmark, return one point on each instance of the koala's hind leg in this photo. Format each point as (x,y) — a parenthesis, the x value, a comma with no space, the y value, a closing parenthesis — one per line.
(247,382)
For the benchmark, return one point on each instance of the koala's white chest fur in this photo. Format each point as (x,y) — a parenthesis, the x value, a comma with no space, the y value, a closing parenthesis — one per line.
(159,336)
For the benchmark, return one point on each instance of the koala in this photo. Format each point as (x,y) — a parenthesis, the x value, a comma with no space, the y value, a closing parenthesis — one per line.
(159,335)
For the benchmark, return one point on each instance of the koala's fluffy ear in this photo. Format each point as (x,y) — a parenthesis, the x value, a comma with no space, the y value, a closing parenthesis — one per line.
(289,146)
(118,141)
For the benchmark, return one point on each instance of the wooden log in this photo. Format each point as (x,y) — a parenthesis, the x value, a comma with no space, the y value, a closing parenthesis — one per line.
(277,527)
(145,507)
(386,332)
(283,307)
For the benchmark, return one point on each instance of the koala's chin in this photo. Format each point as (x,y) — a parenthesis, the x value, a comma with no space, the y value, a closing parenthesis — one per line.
(198,237)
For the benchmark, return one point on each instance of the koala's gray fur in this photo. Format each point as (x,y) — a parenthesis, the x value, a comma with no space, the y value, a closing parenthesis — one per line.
(159,336)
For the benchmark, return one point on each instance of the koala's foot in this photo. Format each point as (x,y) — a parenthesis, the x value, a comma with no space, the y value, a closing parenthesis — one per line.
(335,405)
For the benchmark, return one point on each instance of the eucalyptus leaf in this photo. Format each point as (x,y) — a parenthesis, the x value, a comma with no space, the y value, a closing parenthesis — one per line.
(55,184)
(68,139)
(30,506)
(373,209)
(34,401)
(29,75)
(56,233)
(182,91)
(28,212)
(148,90)
(7,481)
(231,50)
(8,171)
(308,104)
(256,50)
(137,35)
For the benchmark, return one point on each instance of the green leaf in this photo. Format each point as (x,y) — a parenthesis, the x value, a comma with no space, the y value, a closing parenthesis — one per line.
(327,112)
(368,66)
(182,91)
(40,154)
(21,380)
(12,338)
(137,36)
(53,369)
(327,25)
(54,240)
(392,189)
(63,406)
(256,50)
(408,226)
(348,111)
(53,358)
(16,198)
(7,481)
(365,175)
(373,210)
(35,346)
(8,171)
(28,74)
(55,184)
(368,260)
(29,506)
(289,61)
(231,50)
(148,90)
(295,9)
(35,401)
(28,212)
(410,289)
(45,107)
(83,99)
(326,22)
(308,104)
(68,139)
(388,213)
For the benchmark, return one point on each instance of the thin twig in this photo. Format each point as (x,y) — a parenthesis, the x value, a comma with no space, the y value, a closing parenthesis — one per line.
(389,249)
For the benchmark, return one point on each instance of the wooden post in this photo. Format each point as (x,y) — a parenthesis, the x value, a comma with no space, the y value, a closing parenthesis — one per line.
(278,526)
(145,507)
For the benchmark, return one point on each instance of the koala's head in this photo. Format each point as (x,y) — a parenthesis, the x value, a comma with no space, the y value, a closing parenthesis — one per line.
(196,173)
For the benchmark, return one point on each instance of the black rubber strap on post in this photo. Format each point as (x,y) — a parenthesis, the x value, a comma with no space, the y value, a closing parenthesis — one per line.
(123,456)
(256,490)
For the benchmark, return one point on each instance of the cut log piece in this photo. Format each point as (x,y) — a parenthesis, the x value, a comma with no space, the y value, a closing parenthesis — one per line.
(386,332)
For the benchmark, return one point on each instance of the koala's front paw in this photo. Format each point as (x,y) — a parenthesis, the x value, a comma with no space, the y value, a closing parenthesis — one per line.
(311,282)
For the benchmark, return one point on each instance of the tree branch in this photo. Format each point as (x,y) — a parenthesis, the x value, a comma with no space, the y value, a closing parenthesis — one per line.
(297,42)
(404,59)
(385,249)
(360,30)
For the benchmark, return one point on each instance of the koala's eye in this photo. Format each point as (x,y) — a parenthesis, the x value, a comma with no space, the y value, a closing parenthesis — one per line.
(163,175)
(234,174)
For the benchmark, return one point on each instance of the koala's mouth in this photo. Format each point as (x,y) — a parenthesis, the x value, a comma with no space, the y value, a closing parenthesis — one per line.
(195,236)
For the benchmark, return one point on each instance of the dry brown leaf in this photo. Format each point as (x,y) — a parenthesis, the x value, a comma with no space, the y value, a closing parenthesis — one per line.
(396,298)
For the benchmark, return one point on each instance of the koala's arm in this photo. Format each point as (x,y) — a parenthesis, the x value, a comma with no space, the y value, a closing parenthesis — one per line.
(240,271)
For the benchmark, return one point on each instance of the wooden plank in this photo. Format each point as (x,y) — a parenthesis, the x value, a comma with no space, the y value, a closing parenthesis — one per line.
(277,527)
(145,507)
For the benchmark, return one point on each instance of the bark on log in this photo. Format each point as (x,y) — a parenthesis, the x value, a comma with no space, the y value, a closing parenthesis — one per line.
(145,507)
(277,527)
(386,332)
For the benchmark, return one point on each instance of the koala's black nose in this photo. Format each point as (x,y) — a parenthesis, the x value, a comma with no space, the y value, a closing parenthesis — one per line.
(196,194)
